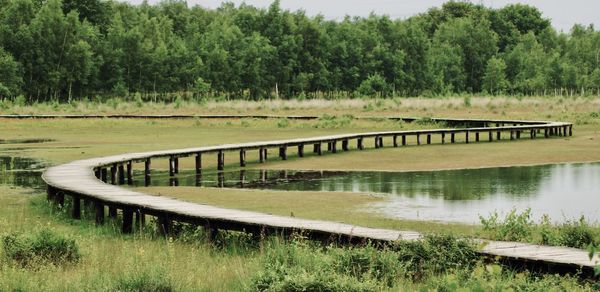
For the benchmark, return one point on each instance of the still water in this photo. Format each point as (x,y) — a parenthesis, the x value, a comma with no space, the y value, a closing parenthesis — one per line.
(22,172)
(563,191)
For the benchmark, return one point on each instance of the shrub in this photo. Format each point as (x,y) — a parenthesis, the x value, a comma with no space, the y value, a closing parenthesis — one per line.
(576,234)
(283,123)
(374,85)
(467,101)
(514,227)
(436,254)
(39,248)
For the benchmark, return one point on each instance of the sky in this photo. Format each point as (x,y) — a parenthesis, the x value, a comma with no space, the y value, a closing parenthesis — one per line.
(563,13)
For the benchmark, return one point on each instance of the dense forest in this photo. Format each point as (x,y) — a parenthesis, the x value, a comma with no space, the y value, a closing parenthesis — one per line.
(73,49)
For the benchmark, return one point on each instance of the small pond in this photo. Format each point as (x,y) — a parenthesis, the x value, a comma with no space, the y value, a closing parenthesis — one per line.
(563,191)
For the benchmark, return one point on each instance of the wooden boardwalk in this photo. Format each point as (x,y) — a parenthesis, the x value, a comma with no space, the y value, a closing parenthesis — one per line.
(88,180)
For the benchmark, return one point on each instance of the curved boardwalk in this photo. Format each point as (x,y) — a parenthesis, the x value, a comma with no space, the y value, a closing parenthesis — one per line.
(88,180)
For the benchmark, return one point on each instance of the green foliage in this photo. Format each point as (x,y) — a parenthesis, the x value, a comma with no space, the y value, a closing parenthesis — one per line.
(201,87)
(65,50)
(519,227)
(302,266)
(494,79)
(283,123)
(42,247)
(374,86)
(330,121)
(514,227)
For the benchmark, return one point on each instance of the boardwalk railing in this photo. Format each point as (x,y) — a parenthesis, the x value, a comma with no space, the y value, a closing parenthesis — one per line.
(87,180)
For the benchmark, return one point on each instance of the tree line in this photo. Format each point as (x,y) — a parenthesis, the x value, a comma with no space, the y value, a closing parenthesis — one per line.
(72,49)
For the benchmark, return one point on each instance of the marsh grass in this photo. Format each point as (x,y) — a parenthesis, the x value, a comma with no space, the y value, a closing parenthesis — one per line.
(519,226)
(39,248)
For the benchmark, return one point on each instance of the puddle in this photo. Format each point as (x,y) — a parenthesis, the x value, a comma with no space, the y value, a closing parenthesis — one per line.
(22,172)
(25,141)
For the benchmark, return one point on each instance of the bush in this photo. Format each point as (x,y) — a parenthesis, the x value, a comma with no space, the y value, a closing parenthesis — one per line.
(514,227)
(436,254)
(374,85)
(303,266)
(283,123)
(576,234)
(40,248)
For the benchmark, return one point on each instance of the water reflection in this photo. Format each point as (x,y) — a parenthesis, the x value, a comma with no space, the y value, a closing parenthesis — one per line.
(561,191)
(20,171)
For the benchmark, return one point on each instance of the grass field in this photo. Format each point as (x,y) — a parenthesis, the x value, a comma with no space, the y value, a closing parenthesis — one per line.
(109,258)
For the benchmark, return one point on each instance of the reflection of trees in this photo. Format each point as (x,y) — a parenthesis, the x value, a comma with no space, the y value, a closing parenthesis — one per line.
(466,184)
(20,171)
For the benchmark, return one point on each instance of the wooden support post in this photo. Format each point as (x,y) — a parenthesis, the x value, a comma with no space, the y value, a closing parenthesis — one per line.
(176,164)
(490,136)
(467,137)
(452,139)
(329,146)
(220,179)
(334,146)
(376,142)
(300,150)
(512,135)
(127,220)
(283,152)
(395,140)
(171,166)
(76,207)
(476,136)
(546,133)
(99,210)
(104,175)
(345,144)
(220,160)
(570,130)
(443,138)
(164,224)
(50,193)
(211,233)
(428,139)
(319,152)
(359,143)
(518,134)
(261,155)
(112,212)
(531,134)
(129,172)
(242,158)
(147,167)
(113,174)
(498,135)
(403,140)
(121,173)
(198,162)
(418,139)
